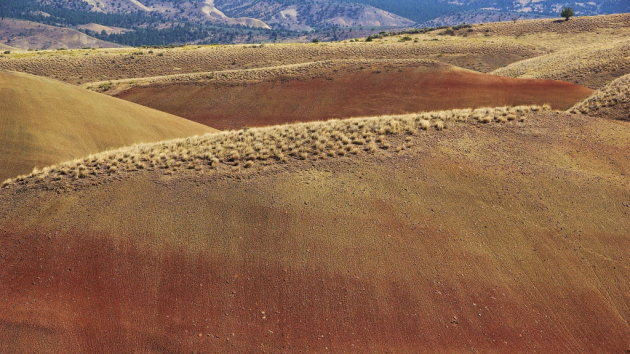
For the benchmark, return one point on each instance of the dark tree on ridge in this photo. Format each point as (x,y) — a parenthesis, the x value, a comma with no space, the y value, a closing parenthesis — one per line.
(567,13)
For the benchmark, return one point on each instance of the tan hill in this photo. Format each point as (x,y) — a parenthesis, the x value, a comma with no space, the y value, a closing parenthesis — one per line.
(46,122)
(5,47)
(549,27)
(480,237)
(593,66)
(590,50)
(32,35)
(477,16)
(98,65)
(336,89)
(612,101)
(573,47)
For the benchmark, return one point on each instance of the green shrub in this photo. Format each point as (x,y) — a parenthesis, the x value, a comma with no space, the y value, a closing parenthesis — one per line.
(567,13)
(106,86)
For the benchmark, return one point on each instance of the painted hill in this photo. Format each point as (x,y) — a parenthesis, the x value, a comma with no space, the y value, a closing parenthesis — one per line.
(45,122)
(612,101)
(337,89)
(79,66)
(594,66)
(507,236)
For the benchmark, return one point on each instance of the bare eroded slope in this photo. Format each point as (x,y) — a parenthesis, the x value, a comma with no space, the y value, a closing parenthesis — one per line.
(337,89)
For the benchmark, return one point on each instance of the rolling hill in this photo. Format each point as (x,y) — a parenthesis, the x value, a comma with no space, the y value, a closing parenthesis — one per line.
(336,89)
(32,35)
(169,22)
(105,64)
(295,15)
(478,16)
(5,47)
(593,66)
(611,101)
(493,229)
(44,122)
(422,11)
(488,237)
(591,47)
(310,15)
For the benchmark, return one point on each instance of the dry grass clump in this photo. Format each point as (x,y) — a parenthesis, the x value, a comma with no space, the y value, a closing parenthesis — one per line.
(614,94)
(277,144)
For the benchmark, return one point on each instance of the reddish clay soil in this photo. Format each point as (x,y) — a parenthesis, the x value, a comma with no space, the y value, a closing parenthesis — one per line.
(373,92)
(503,238)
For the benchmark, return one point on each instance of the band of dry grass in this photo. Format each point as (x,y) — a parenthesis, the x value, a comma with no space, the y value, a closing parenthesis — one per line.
(309,70)
(615,93)
(263,146)
(83,66)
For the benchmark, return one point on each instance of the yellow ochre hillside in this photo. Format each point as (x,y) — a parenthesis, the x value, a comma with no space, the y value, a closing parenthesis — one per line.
(43,122)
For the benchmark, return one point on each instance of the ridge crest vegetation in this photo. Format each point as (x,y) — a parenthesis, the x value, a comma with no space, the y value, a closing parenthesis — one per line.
(615,94)
(276,144)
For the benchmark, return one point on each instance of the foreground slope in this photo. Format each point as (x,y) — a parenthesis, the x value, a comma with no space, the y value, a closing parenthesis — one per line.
(43,122)
(336,89)
(488,237)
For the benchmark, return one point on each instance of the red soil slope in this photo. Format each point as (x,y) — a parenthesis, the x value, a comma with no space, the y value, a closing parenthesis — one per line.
(373,90)
(509,238)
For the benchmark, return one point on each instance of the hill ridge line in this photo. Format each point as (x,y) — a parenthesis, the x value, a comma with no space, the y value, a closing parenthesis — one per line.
(271,71)
(266,145)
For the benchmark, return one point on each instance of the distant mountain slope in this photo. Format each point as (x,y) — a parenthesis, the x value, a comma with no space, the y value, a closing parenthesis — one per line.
(33,35)
(308,15)
(478,16)
(261,14)
(44,122)
(182,11)
(551,7)
(425,10)
(165,22)
(6,47)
